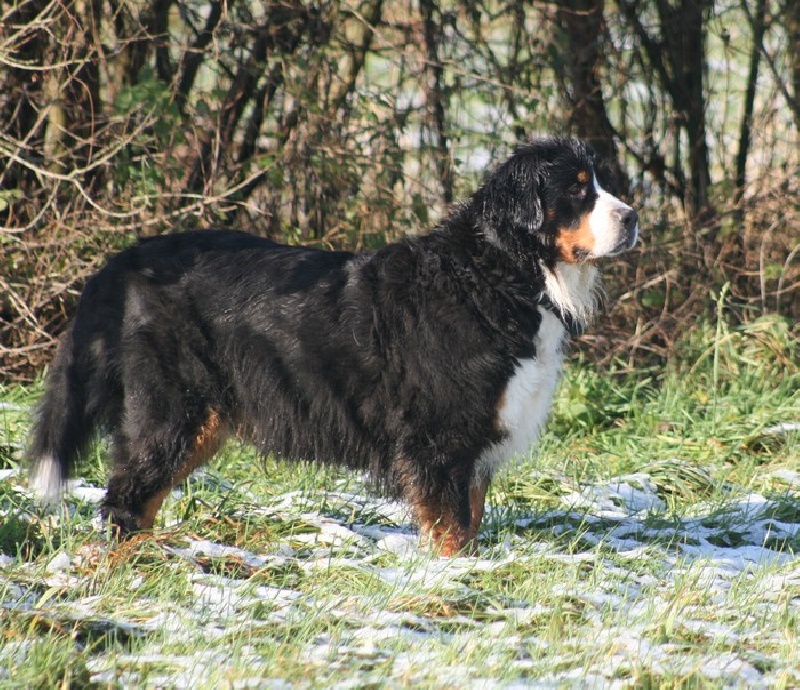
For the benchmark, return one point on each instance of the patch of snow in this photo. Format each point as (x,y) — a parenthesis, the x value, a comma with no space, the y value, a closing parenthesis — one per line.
(214,550)
(59,563)
(680,554)
(727,666)
(90,494)
(790,477)
(782,428)
(633,494)
(403,545)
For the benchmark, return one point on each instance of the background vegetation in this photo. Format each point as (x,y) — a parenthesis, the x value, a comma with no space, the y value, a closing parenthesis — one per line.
(349,123)
(651,542)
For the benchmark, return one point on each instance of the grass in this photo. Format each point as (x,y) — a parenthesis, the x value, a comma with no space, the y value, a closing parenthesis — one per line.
(652,541)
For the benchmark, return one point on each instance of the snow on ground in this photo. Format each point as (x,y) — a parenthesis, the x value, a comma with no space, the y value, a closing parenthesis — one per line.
(717,556)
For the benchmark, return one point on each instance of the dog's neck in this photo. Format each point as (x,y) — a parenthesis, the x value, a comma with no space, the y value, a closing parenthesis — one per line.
(572,292)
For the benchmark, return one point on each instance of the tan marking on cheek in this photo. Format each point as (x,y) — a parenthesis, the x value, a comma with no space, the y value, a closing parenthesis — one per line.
(572,242)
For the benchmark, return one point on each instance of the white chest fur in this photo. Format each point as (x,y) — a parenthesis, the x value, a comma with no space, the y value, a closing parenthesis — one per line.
(525,403)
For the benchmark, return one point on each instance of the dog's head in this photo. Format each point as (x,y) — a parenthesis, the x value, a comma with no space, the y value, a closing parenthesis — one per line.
(545,201)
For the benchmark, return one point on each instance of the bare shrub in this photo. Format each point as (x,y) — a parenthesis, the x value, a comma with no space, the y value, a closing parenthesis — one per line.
(350,123)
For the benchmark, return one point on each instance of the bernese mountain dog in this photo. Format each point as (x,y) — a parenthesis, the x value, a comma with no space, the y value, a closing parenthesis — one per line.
(427,364)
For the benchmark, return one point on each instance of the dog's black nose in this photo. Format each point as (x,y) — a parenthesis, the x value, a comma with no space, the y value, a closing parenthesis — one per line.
(630,219)
(630,223)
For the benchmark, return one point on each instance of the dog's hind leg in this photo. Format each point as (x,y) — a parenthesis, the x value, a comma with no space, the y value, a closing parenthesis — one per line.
(154,460)
(170,423)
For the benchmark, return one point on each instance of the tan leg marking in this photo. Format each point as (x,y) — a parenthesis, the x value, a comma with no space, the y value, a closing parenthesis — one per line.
(448,540)
(477,501)
(444,533)
(151,508)
(439,526)
(207,441)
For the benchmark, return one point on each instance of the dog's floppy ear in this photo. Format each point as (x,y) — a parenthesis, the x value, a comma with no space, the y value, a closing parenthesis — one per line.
(510,199)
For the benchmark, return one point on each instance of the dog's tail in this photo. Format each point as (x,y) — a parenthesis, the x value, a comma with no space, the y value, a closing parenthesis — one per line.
(63,424)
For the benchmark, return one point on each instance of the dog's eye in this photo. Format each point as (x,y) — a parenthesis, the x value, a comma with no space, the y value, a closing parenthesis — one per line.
(577,190)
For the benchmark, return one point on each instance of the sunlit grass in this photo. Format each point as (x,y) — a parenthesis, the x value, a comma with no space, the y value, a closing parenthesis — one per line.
(276,573)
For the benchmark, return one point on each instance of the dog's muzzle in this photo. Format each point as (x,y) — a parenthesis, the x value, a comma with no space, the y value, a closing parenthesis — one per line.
(628,223)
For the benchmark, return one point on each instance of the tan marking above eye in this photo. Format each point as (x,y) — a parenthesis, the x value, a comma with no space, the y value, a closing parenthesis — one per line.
(583,176)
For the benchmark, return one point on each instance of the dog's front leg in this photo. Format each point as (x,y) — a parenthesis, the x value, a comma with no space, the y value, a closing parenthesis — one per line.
(446,502)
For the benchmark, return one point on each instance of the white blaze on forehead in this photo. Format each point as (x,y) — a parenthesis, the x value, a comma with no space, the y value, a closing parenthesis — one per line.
(605,221)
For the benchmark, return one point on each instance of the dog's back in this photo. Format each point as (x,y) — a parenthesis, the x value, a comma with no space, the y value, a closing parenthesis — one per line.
(130,315)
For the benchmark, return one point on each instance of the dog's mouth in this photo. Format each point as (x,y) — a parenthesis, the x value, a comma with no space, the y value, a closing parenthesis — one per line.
(627,242)
(627,222)
(575,247)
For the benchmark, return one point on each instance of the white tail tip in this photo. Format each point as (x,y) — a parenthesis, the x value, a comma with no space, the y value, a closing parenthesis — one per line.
(46,480)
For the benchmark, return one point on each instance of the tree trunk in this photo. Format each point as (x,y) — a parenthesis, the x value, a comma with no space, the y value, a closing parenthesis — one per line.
(583,24)
(746,124)
(791,13)
(677,55)
(435,97)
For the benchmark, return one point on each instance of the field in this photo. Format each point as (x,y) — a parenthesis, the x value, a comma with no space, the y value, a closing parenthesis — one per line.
(653,540)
